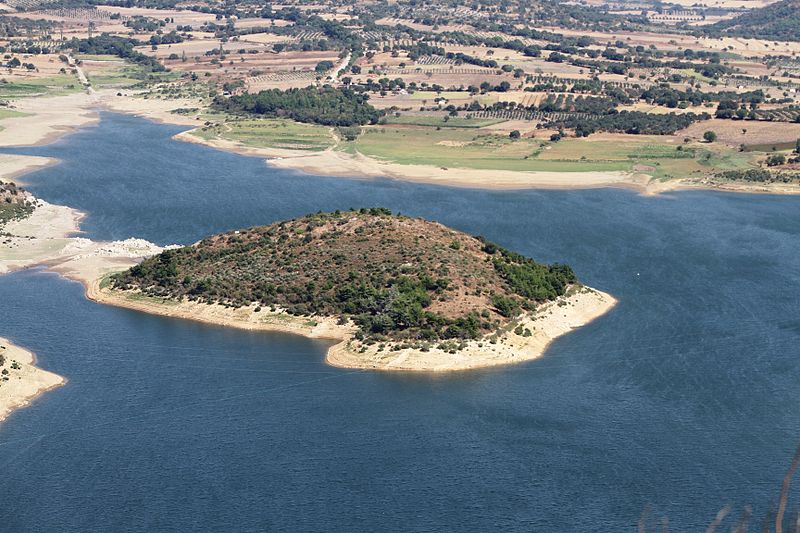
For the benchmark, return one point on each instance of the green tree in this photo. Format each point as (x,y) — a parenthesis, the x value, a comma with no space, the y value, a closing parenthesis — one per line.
(710,136)
(776,160)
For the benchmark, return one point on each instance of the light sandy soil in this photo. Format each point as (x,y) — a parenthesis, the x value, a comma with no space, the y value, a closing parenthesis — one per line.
(47,119)
(549,322)
(12,165)
(40,237)
(45,238)
(335,163)
(159,110)
(658,187)
(50,117)
(48,236)
(181,17)
(25,383)
(53,116)
(745,47)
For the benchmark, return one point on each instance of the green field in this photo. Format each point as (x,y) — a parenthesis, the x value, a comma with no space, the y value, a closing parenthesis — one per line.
(270,133)
(96,57)
(651,155)
(10,113)
(770,147)
(694,74)
(464,148)
(57,85)
(112,76)
(117,74)
(430,96)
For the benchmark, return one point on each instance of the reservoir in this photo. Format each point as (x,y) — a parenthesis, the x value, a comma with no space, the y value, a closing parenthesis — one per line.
(681,400)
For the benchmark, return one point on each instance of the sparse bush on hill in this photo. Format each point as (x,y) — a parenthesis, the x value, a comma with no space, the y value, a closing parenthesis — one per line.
(392,275)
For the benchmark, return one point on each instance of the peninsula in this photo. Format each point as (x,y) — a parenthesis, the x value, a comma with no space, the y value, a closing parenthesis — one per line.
(398,293)
(20,380)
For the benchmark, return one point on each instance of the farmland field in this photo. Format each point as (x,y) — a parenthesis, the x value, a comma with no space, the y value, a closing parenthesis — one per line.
(270,133)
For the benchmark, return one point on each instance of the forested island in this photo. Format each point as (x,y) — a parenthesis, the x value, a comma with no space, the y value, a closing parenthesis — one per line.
(382,283)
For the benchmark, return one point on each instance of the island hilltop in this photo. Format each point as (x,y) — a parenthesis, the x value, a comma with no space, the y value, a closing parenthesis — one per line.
(398,293)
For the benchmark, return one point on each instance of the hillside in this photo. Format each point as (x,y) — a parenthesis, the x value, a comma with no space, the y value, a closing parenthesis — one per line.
(397,278)
(779,21)
(15,203)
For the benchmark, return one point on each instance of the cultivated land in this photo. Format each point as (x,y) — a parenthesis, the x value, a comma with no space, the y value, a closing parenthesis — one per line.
(458,92)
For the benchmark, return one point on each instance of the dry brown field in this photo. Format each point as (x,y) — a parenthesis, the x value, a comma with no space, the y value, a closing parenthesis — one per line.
(183,18)
(47,65)
(265,38)
(732,131)
(261,23)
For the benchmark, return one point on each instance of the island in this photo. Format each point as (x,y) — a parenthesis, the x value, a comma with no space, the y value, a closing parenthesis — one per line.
(397,293)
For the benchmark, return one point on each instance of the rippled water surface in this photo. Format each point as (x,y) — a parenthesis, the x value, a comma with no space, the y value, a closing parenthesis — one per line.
(683,399)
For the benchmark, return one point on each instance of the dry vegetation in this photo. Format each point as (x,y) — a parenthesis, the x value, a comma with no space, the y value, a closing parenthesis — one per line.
(394,276)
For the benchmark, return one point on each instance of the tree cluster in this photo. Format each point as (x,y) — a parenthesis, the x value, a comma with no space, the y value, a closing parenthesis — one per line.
(326,105)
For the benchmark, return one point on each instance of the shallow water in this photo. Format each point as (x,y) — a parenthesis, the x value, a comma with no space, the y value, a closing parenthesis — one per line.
(684,398)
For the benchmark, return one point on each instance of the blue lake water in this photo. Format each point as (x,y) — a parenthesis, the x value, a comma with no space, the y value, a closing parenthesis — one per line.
(681,400)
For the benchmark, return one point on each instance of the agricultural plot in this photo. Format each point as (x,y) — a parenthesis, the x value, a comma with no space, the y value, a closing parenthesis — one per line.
(744,132)
(491,87)
(653,155)
(467,148)
(270,133)
(25,86)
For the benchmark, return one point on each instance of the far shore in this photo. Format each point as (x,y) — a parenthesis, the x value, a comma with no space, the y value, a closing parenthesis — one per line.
(64,114)
(336,163)
(552,320)
(25,381)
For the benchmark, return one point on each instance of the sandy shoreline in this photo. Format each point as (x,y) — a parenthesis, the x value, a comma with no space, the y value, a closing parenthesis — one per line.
(547,324)
(13,166)
(25,381)
(47,119)
(335,163)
